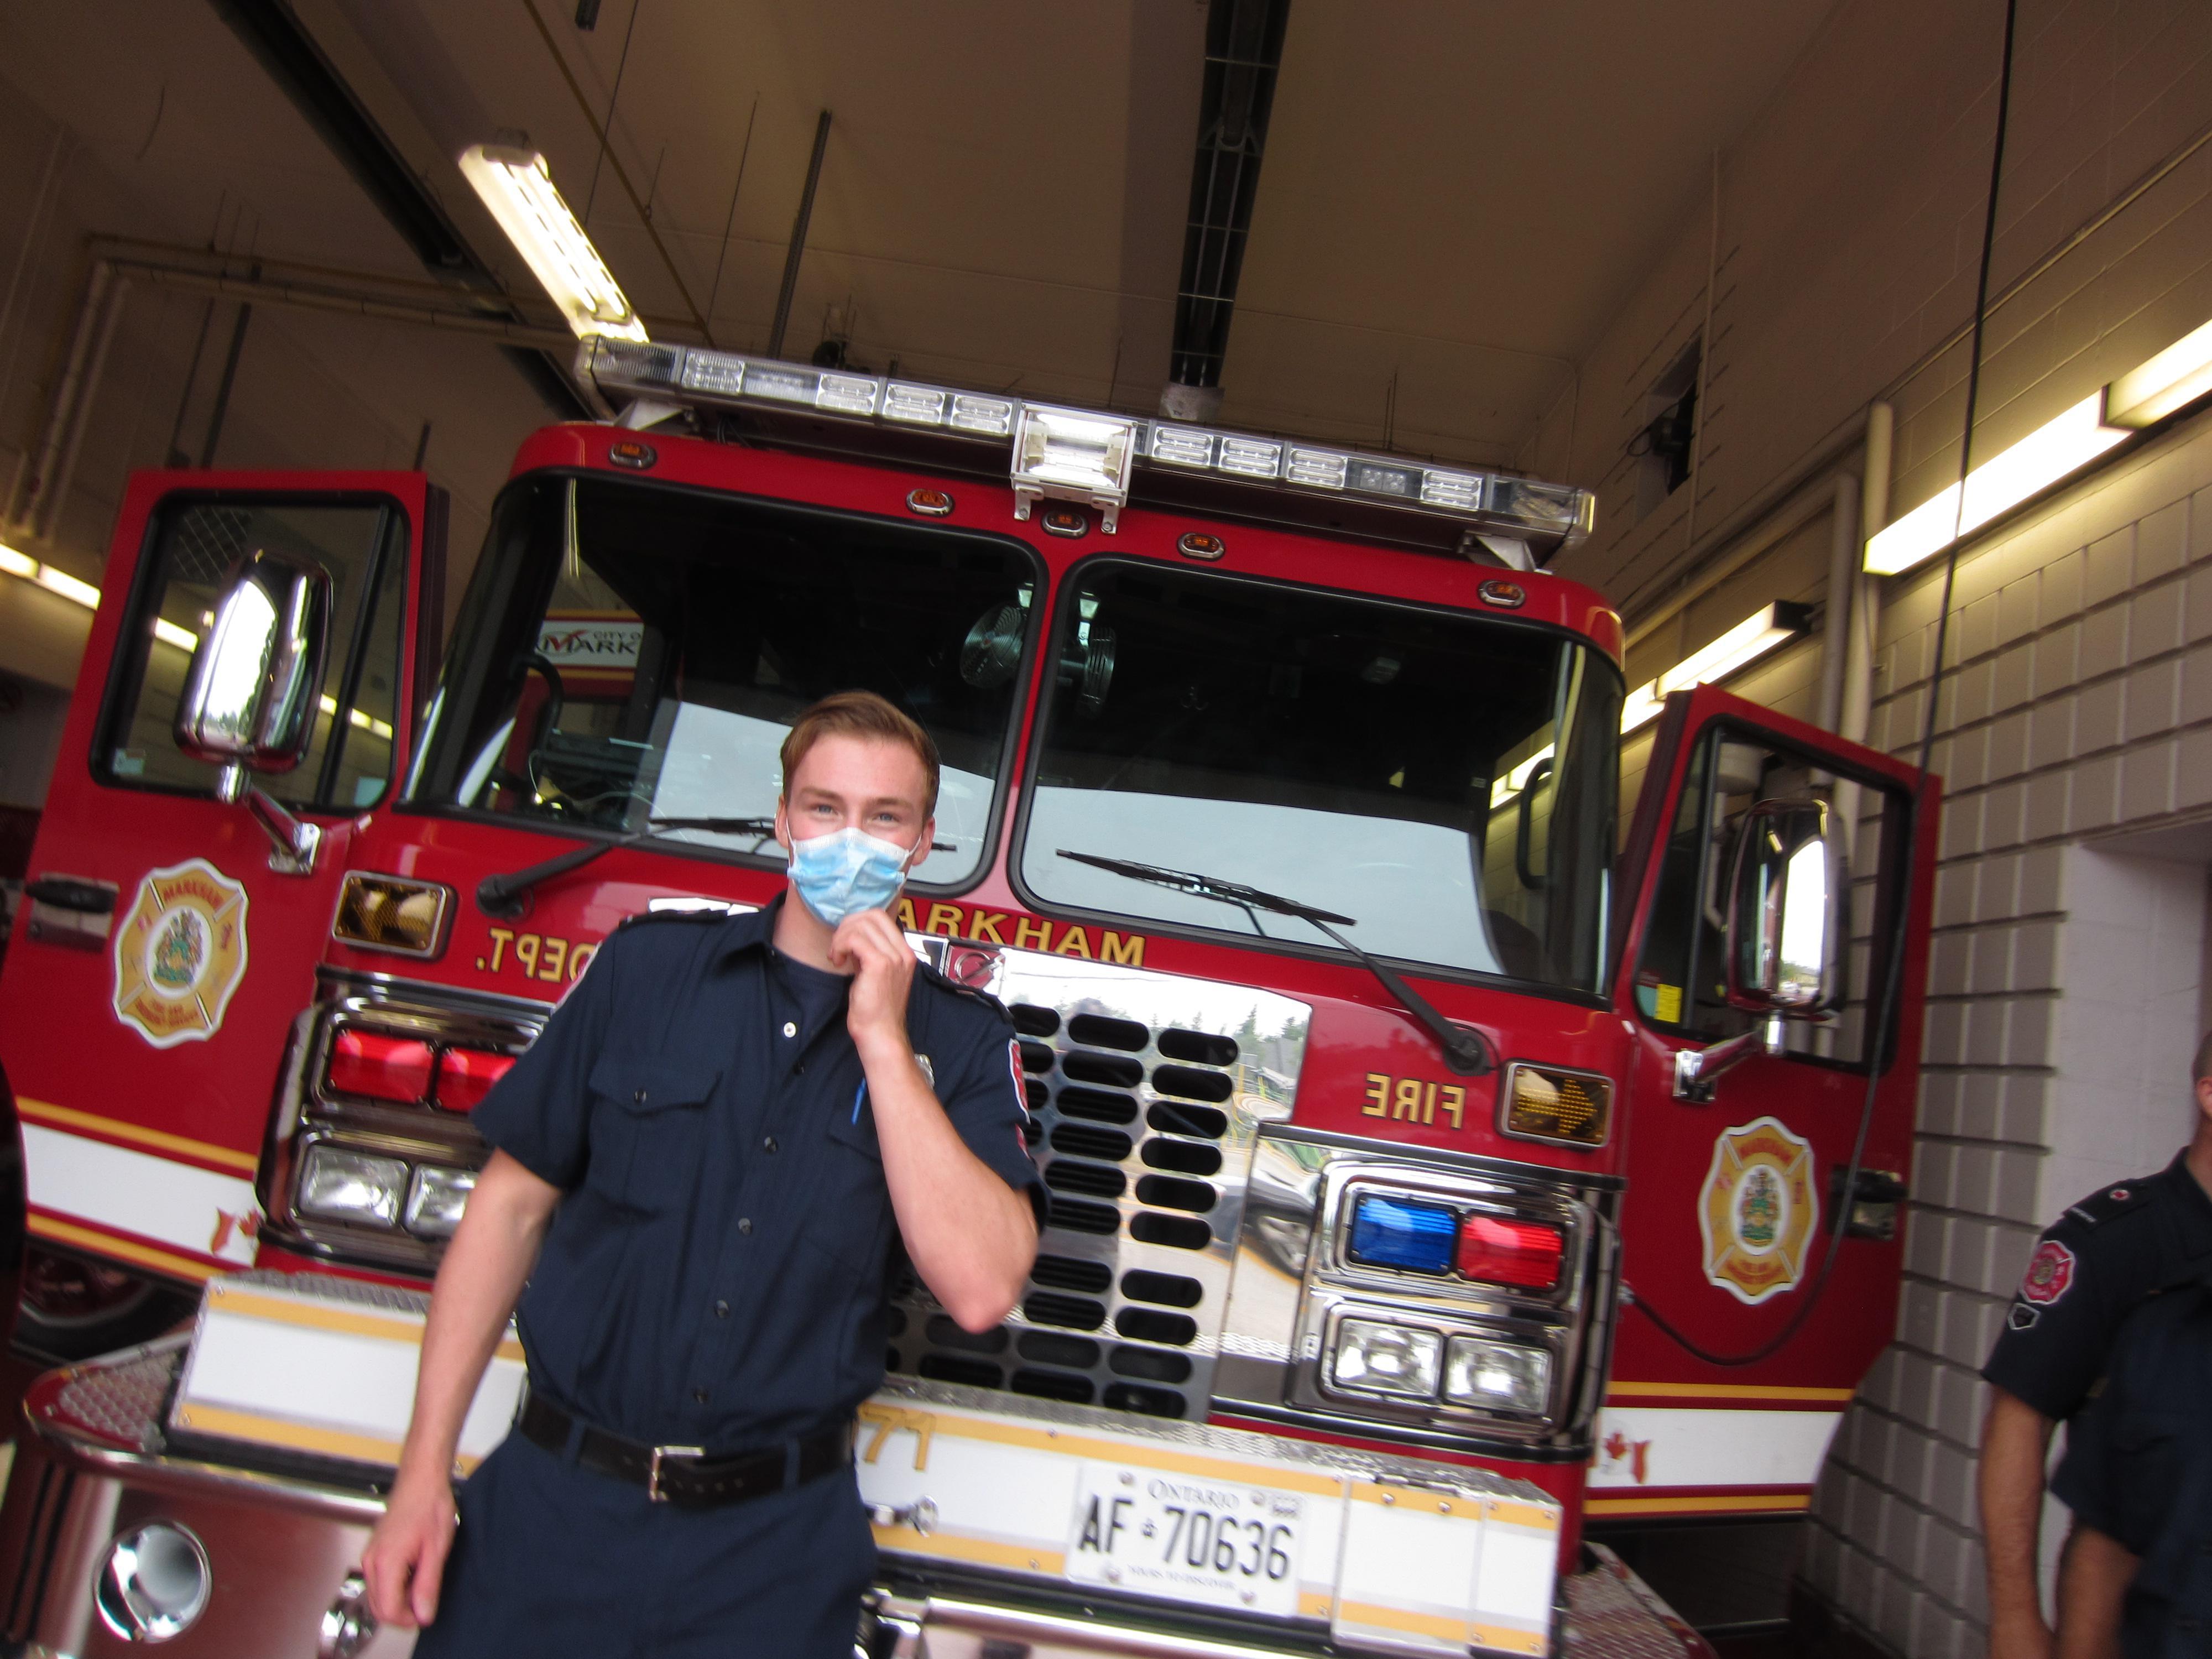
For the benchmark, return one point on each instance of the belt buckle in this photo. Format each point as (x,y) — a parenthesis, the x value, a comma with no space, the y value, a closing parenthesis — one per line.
(653,1492)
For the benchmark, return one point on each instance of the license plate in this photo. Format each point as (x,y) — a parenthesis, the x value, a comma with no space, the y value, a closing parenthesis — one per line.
(1193,1538)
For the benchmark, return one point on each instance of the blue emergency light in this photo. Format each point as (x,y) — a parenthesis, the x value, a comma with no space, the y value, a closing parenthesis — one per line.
(1396,1232)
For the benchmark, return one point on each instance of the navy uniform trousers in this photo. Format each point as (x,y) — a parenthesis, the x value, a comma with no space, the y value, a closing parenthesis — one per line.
(777,1577)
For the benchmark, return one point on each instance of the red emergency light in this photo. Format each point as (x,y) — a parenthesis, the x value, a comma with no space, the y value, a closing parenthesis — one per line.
(381,1067)
(465,1076)
(1525,1254)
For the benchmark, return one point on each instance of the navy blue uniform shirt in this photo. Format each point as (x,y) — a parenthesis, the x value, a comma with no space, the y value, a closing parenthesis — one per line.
(2092,1267)
(716,1274)
(2138,1468)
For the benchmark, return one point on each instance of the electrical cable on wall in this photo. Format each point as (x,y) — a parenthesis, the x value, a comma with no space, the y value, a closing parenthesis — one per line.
(1893,975)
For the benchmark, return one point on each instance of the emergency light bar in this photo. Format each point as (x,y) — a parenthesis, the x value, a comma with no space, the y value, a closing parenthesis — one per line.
(1101,459)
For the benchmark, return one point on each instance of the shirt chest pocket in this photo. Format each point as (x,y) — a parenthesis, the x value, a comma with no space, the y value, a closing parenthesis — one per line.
(648,1130)
(850,1215)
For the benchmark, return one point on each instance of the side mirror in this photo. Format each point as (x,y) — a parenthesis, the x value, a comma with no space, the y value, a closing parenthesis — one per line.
(250,696)
(1784,917)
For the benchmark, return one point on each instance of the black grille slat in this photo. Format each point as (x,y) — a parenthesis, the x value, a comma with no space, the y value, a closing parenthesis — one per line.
(1068,1174)
(1054,1385)
(1183,1156)
(1085,1141)
(1115,1071)
(1149,1364)
(1193,1084)
(1097,1105)
(1180,1232)
(1034,1021)
(953,1368)
(1065,1273)
(1074,1312)
(1077,1353)
(1177,1117)
(1148,1402)
(1151,1325)
(1203,1047)
(1169,1290)
(1078,1215)
(1104,1031)
(1171,1193)
(1035,1057)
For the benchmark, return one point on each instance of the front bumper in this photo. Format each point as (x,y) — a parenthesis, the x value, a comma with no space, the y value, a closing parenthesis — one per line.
(92,1463)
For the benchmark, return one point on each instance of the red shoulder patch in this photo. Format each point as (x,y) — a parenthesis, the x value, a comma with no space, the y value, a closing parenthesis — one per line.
(2050,1271)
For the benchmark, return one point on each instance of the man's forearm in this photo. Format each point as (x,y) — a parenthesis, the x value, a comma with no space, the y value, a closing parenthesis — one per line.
(2016,1442)
(2092,1584)
(482,1274)
(971,1236)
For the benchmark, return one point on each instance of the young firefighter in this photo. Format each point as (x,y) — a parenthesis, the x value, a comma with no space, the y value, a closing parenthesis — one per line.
(697,1171)
(2093,1266)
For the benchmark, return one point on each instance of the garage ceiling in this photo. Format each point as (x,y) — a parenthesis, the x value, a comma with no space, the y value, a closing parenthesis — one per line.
(1456,192)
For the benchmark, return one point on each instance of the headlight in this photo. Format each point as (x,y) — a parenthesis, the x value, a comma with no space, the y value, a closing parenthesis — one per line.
(1497,1376)
(436,1200)
(1373,1358)
(154,1584)
(353,1186)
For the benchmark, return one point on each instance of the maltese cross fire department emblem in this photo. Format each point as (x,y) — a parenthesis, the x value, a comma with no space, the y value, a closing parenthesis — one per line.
(179,953)
(1758,1209)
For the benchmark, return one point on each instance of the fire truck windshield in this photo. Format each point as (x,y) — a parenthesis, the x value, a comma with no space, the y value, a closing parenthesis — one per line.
(630,655)
(1447,779)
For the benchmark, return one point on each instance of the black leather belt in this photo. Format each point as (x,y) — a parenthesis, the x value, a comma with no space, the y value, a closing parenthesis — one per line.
(685,1475)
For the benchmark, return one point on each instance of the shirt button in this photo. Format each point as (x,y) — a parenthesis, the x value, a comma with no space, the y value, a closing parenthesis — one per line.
(769,1143)
(790,1029)
(722,1310)
(699,1394)
(639,1096)
(745,1224)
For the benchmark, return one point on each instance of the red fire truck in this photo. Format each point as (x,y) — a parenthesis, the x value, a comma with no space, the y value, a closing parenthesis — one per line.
(1432,1155)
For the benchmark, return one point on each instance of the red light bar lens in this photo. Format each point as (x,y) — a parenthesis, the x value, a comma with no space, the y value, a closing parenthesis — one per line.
(1525,1254)
(466,1077)
(381,1067)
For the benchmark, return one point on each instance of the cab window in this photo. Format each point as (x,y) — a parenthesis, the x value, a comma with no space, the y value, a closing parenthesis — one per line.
(1680,978)
(196,544)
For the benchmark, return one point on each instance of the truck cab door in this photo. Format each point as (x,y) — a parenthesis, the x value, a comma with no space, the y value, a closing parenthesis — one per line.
(1735,1194)
(166,948)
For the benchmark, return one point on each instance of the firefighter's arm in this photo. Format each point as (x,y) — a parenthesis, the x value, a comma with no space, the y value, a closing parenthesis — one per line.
(970,1237)
(2015,1443)
(2093,1582)
(489,1257)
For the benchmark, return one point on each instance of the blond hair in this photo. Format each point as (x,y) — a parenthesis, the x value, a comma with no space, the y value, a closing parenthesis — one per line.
(865,716)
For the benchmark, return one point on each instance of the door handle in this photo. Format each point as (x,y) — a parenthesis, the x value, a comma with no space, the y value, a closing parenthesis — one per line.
(89,898)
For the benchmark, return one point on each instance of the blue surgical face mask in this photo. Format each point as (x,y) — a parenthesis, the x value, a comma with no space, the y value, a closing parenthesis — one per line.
(846,871)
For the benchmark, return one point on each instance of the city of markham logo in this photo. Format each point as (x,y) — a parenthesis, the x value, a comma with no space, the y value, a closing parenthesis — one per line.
(179,953)
(1758,1211)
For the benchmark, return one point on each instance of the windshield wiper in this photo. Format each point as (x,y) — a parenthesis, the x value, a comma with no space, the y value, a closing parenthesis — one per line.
(1465,1051)
(502,896)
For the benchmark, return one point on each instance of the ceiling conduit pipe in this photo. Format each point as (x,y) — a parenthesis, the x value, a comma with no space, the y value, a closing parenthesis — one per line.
(1243,51)
(1858,700)
(87,340)
(1844,544)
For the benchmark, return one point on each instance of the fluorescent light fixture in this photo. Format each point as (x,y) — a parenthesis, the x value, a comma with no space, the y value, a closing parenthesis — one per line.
(2006,479)
(354,718)
(1516,779)
(1742,646)
(517,187)
(76,591)
(70,588)
(169,633)
(2152,391)
(1641,707)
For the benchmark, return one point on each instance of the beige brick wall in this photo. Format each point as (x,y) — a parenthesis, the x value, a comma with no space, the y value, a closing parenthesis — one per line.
(2076,720)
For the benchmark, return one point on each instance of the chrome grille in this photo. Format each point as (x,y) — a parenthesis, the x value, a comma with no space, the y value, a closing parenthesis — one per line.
(1145,1094)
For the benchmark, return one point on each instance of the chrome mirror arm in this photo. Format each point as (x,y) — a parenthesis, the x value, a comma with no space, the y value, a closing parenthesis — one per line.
(293,841)
(1697,1069)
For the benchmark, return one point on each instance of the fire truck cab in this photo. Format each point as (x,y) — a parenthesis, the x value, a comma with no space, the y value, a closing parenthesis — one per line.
(1384,1078)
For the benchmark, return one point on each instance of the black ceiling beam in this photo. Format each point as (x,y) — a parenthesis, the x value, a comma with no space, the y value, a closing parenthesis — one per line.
(278,39)
(1243,51)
